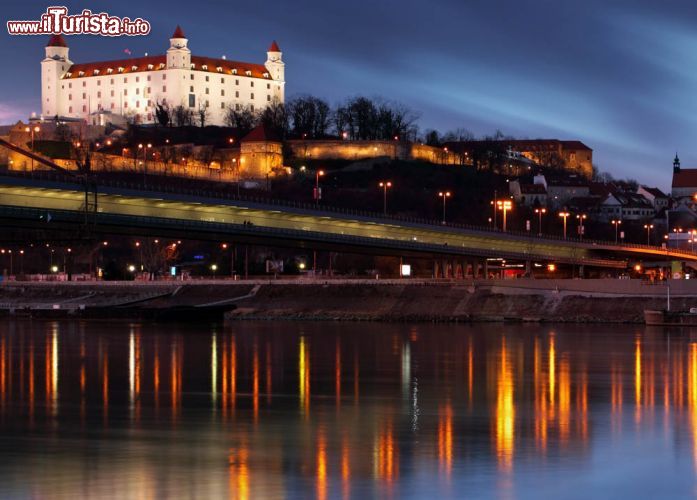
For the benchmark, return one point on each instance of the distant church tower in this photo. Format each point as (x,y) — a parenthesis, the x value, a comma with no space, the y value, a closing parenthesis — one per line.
(53,67)
(676,164)
(274,64)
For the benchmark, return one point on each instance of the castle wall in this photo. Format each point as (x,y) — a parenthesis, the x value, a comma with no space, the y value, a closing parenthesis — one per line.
(361,150)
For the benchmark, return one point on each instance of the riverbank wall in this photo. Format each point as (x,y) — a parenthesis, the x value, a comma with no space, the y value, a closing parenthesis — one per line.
(581,301)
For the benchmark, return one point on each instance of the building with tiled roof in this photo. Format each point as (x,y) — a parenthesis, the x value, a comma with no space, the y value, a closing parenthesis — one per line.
(684,183)
(132,87)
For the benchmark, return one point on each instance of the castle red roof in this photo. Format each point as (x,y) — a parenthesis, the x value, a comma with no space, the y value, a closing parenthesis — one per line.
(178,33)
(274,47)
(141,64)
(261,133)
(56,41)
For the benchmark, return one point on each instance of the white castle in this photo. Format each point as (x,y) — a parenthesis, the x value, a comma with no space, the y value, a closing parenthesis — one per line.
(133,87)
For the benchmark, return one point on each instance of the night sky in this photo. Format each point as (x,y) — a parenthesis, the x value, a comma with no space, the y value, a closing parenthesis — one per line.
(619,75)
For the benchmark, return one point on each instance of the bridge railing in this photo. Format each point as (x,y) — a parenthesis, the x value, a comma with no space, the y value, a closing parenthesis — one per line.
(153,186)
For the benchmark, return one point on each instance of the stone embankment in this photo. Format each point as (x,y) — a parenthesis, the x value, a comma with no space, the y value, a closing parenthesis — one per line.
(601,301)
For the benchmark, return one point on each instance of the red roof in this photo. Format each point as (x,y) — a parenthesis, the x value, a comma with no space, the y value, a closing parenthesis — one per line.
(274,47)
(141,64)
(261,134)
(686,178)
(178,33)
(56,41)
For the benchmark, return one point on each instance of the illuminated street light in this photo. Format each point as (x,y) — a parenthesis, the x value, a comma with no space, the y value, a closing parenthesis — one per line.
(564,215)
(445,195)
(616,223)
(384,185)
(581,229)
(317,193)
(648,228)
(32,130)
(540,212)
(131,268)
(505,206)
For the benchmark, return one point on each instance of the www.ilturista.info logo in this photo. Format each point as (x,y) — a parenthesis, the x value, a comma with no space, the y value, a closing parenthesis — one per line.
(56,21)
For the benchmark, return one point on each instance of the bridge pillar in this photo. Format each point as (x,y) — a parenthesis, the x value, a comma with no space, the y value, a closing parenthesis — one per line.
(436,269)
(580,271)
(486,269)
(528,268)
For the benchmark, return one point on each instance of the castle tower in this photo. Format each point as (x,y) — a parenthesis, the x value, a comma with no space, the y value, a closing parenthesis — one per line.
(53,67)
(274,62)
(178,54)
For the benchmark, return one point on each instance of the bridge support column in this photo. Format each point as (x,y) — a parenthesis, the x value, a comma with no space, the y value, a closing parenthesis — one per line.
(528,269)
(486,269)
(436,269)
(580,271)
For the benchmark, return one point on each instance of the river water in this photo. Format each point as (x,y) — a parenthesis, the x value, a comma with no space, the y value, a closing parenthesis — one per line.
(345,410)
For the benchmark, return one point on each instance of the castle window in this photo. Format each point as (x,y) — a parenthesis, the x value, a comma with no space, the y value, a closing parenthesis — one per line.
(125,80)
(204,67)
(99,83)
(252,95)
(268,98)
(268,86)
(164,88)
(237,82)
(219,69)
(70,109)
(148,77)
(134,68)
(222,105)
(148,91)
(112,81)
(84,108)
(192,101)
(149,103)
(80,73)
(251,107)
(237,106)
(84,84)
(137,79)
(191,88)
(150,66)
(99,95)
(222,93)
(251,84)
(96,71)
(137,91)
(192,76)
(164,76)
(113,105)
(234,71)
(206,77)
(84,95)
(222,80)
(248,73)
(137,104)
(70,85)
(120,69)
(110,71)
(125,104)
(266,75)
(193,66)
(208,104)
(70,97)
(125,91)
(68,75)
(112,93)
(207,92)
(237,93)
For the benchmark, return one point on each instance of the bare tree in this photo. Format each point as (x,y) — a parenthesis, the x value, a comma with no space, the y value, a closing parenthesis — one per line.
(163,113)
(202,112)
(242,118)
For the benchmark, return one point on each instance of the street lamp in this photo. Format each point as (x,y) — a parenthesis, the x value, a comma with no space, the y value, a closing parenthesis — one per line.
(445,195)
(214,268)
(581,229)
(616,223)
(317,194)
(564,215)
(505,206)
(32,130)
(384,185)
(648,228)
(540,212)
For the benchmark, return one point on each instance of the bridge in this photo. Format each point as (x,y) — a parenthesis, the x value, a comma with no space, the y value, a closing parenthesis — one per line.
(51,205)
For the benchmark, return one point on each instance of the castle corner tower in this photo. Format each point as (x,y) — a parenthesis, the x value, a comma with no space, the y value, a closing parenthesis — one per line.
(53,67)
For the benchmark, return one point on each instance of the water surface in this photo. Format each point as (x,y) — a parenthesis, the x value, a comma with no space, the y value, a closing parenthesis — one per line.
(338,410)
